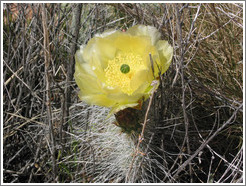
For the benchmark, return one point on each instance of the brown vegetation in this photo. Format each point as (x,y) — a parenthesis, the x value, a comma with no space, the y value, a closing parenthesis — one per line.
(198,108)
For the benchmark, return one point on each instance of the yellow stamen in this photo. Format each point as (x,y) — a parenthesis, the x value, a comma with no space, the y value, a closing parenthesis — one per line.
(114,75)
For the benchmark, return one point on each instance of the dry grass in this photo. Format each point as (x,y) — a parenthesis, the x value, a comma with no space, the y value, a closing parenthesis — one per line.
(195,127)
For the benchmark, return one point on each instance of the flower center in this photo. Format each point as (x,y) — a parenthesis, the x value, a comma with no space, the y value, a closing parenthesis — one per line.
(121,69)
(124,68)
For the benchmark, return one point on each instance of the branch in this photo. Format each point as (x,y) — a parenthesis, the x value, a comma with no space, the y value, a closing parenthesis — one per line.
(204,144)
(48,92)
(70,65)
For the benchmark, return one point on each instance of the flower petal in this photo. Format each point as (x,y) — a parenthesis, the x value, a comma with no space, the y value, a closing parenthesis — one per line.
(121,98)
(99,99)
(140,78)
(142,30)
(121,107)
(132,44)
(87,84)
(166,53)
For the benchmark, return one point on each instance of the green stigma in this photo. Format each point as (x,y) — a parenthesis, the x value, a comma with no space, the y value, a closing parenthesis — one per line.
(125,68)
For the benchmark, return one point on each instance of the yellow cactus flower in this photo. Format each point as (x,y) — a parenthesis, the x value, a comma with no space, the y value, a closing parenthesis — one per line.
(117,69)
